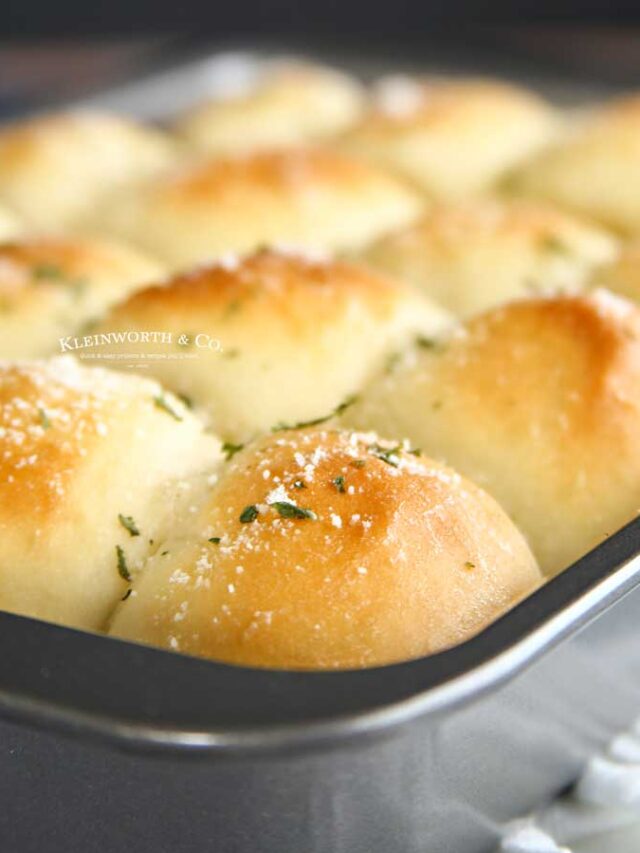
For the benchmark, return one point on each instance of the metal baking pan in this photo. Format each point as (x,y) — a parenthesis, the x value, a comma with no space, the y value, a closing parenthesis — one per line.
(115,747)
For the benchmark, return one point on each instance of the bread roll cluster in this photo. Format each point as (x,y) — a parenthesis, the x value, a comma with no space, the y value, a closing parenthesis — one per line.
(349,370)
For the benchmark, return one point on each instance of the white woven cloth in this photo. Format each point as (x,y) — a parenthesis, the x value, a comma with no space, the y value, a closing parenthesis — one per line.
(601,815)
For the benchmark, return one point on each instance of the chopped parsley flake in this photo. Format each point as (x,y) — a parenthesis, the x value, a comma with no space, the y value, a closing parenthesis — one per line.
(123,569)
(161,402)
(338,482)
(249,514)
(188,402)
(469,565)
(317,421)
(386,454)
(551,243)
(47,271)
(45,423)
(129,524)
(289,510)
(126,595)
(215,540)
(230,449)
(426,343)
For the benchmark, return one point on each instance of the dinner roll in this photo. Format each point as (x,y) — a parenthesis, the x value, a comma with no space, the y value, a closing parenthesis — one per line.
(10,226)
(289,104)
(54,169)
(271,338)
(94,469)
(469,256)
(308,198)
(539,403)
(331,550)
(451,137)
(622,275)
(595,168)
(50,288)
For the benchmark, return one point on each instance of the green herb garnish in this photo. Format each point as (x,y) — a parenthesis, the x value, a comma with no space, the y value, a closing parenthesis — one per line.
(551,243)
(229,449)
(129,524)
(45,423)
(188,402)
(161,402)
(386,454)
(316,421)
(249,514)
(123,569)
(215,540)
(50,271)
(338,482)
(289,510)
(426,343)
(126,595)
(469,565)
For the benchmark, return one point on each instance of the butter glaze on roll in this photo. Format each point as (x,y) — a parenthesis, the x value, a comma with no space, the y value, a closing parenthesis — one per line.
(94,467)
(595,168)
(470,256)
(319,549)
(311,199)
(55,169)
(295,336)
(451,137)
(291,103)
(50,288)
(539,403)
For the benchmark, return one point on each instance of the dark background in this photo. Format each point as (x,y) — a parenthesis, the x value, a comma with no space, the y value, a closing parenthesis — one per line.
(409,18)
(56,50)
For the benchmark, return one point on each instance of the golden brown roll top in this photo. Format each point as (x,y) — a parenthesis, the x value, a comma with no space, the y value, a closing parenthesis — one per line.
(326,550)
(539,403)
(271,338)
(451,137)
(55,169)
(50,288)
(94,468)
(289,104)
(594,168)
(307,198)
(473,255)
